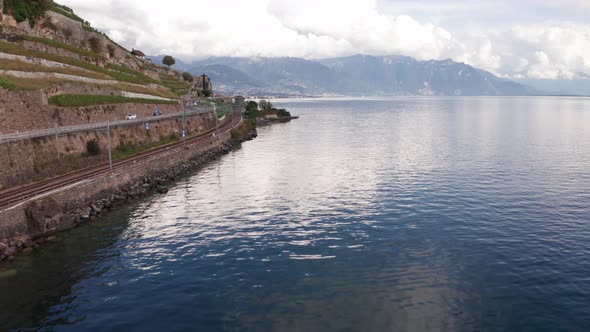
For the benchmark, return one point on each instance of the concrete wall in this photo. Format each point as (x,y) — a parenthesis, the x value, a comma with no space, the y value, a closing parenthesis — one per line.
(29,110)
(26,161)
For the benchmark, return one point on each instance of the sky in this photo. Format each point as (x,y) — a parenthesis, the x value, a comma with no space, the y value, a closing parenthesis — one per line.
(518,39)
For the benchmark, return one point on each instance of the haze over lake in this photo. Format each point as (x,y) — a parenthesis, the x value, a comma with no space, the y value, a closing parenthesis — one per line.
(371,214)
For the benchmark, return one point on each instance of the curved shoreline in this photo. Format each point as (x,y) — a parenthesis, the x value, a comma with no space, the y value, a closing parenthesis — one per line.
(83,202)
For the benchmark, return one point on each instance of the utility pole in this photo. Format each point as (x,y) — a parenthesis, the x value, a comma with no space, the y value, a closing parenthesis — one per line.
(109,139)
(216,123)
(57,141)
(184,126)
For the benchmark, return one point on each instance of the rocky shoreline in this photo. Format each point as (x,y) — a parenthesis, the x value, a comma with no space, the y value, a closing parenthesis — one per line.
(270,121)
(151,183)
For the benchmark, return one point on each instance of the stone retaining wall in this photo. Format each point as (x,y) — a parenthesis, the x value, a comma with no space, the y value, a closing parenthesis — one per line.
(35,46)
(30,160)
(29,110)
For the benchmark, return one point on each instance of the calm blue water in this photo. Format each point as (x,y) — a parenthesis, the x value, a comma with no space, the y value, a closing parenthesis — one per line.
(409,214)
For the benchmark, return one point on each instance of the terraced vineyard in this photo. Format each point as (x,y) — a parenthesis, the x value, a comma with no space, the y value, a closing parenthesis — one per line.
(176,86)
(62,47)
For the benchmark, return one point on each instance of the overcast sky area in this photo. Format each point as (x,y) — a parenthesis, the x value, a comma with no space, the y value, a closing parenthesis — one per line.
(541,39)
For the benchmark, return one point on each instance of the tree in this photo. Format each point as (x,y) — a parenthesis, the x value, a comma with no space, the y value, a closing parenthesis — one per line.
(168,61)
(31,10)
(251,110)
(265,105)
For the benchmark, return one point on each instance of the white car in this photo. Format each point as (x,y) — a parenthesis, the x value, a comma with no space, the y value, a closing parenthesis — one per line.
(132,116)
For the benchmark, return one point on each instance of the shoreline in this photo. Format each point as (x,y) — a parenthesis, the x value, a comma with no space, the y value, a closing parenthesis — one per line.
(34,222)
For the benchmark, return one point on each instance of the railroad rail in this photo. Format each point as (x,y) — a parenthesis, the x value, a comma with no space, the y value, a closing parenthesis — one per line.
(98,126)
(13,196)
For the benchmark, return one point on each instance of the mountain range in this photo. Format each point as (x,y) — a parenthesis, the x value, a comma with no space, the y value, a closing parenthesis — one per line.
(353,75)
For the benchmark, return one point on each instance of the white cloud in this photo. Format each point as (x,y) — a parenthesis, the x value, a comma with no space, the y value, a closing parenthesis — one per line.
(328,28)
(549,51)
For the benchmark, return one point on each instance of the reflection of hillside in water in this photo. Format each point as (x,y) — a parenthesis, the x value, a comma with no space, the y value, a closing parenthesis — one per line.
(40,284)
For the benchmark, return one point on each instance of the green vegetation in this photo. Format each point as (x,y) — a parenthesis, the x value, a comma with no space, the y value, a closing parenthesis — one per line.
(172,81)
(23,10)
(188,77)
(112,71)
(58,44)
(89,28)
(168,61)
(7,84)
(222,109)
(65,11)
(265,105)
(92,148)
(243,129)
(31,67)
(124,77)
(88,100)
(206,92)
(252,110)
(281,112)
(139,76)
(12,48)
(124,149)
(177,86)
(149,91)
(31,83)
(42,83)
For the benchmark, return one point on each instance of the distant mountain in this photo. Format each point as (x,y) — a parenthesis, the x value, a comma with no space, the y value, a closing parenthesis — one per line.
(268,75)
(579,86)
(396,74)
(358,74)
(226,75)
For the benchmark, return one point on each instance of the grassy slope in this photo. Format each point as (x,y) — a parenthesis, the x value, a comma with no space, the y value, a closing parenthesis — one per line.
(17,83)
(118,73)
(30,67)
(88,100)
(95,66)
(58,44)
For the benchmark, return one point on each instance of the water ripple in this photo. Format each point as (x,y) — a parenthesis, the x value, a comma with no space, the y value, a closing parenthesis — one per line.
(415,214)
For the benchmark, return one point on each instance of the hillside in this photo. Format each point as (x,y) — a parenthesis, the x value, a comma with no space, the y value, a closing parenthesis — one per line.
(52,57)
(359,74)
(71,97)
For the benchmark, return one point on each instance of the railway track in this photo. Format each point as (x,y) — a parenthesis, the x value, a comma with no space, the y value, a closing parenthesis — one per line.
(13,196)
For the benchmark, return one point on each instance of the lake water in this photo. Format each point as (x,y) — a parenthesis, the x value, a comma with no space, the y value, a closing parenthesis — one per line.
(403,214)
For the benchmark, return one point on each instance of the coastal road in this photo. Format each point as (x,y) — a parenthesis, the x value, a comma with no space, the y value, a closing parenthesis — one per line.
(98,125)
(13,196)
